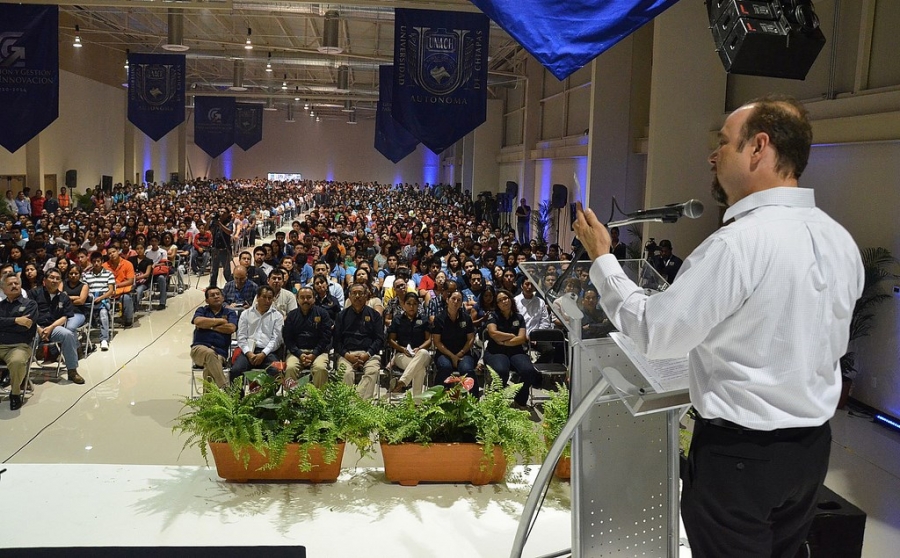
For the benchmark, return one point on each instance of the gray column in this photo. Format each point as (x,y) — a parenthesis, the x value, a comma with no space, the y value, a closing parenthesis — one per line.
(34,166)
(531,125)
(129,148)
(182,152)
(468,161)
(686,106)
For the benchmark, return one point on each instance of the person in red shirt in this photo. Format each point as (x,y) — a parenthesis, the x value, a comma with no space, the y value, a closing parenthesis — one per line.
(37,205)
(200,252)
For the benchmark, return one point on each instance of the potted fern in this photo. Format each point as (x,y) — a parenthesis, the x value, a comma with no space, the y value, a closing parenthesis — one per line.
(556,414)
(447,435)
(297,435)
(877,263)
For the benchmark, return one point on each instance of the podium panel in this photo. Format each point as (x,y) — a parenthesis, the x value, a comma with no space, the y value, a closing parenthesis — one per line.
(620,469)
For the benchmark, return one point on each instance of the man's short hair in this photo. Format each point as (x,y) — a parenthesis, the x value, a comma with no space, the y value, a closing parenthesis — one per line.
(786,122)
(53,270)
(210,290)
(98,255)
(259,249)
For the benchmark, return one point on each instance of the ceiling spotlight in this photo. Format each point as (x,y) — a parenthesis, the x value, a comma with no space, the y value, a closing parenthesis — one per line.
(248,45)
(330,33)
(312,113)
(269,63)
(305,106)
(284,83)
(175,32)
(318,119)
(77,43)
(127,53)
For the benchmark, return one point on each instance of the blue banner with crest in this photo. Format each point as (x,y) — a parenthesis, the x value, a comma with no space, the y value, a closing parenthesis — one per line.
(440,74)
(248,121)
(214,124)
(391,139)
(156,92)
(29,72)
(564,36)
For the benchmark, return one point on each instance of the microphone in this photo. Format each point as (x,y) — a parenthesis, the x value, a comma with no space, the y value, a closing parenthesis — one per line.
(691,209)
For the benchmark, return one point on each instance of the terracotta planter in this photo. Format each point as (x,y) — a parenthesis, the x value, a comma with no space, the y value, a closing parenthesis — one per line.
(563,468)
(410,464)
(232,469)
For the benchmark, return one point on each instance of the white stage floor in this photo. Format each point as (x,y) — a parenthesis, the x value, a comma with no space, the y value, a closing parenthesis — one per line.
(360,515)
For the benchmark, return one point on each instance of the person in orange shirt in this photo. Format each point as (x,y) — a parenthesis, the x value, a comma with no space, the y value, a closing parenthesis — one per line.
(124,273)
(63,198)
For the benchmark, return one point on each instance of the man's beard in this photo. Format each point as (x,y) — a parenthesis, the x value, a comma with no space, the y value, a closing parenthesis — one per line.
(718,193)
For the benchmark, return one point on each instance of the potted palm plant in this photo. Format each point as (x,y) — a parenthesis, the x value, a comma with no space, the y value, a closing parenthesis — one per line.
(447,435)
(264,434)
(542,219)
(556,414)
(877,264)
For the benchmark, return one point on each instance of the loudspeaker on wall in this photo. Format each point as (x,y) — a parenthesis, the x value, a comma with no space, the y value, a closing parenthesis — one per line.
(71,179)
(148,176)
(560,196)
(512,189)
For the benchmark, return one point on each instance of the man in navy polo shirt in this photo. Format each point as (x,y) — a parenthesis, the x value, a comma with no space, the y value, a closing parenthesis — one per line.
(214,325)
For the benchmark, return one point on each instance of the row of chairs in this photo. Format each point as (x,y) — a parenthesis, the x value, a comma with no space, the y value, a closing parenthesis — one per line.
(390,373)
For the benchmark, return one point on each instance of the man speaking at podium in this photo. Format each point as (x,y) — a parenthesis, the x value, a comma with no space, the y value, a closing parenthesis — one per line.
(762,309)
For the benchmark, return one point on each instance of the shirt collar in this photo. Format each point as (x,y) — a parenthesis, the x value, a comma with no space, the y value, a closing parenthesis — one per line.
(788,196)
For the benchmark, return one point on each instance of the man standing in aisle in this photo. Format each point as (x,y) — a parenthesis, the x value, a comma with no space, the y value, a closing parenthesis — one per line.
(523,222)
(222,229)
(764,323)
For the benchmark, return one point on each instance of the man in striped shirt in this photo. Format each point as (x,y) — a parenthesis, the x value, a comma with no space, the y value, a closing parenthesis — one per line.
(102,286)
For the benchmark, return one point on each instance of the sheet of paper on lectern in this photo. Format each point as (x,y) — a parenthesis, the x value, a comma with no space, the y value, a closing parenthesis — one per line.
(663,375)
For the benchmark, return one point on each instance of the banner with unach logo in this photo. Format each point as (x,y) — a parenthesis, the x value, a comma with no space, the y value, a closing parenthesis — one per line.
(248,119)
(391,139)
(29,72)
(440,74)
(564,36)
(156,92)
(214,124)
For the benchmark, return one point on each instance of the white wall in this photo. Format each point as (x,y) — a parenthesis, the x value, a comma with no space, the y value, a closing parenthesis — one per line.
(488,139)
(87,136)
(319,150)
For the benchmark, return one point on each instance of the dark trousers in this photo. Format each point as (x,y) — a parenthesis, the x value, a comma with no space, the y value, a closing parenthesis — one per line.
(521,363)
(749,493)
(221,257)
(242,364)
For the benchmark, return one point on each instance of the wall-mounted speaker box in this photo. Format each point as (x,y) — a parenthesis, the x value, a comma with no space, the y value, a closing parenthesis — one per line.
(560,196)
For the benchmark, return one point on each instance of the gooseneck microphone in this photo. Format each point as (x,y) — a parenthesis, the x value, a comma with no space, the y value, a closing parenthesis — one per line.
(691,209)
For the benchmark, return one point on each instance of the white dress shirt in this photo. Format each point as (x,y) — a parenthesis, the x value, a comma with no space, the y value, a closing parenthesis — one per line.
(762,308)
(535,312)
(260,330)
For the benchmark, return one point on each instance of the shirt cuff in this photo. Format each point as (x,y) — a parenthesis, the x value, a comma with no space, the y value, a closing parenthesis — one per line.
(608,265)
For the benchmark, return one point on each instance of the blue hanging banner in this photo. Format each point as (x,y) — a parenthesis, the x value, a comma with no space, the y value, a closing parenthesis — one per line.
(440,74)
(248,121)
(214,124)
(29,72)
(564,36)
(391,139)
(156,92)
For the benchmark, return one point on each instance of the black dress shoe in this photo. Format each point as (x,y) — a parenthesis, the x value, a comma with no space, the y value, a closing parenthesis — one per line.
(15,402)
(4,380)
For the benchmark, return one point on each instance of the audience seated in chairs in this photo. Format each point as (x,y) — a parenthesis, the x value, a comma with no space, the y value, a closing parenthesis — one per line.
(102,285)
(454,336)
(240,291)
(307,339)
(124,274)
(358,340)
(505,349)
(54,310)
(18,324)
(285,301)
(323,298)
(258,334)
(410,338)
(214,325)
